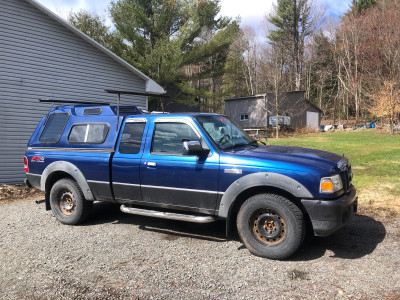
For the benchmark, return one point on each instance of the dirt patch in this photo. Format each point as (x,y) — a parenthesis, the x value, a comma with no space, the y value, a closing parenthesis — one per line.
(14,192)
(362,170)
(378,202)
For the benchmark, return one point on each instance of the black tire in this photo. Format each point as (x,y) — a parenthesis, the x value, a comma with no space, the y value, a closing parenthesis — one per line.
(68,203)
(271,226)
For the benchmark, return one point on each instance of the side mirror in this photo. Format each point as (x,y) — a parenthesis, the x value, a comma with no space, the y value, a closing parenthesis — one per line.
(193,148)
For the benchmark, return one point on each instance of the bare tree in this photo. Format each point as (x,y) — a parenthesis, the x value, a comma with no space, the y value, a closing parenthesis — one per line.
(350,39)
(368,55)
(251,57)
(387,102)
(276,78)
(294,22)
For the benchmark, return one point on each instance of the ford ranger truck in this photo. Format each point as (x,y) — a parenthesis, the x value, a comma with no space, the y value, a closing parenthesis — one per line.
(193,167)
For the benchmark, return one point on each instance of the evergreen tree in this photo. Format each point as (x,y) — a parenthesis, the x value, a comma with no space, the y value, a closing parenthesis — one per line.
(94,26)
(235,82)
(294,21)
(323,73)
(358,6)
(165,37)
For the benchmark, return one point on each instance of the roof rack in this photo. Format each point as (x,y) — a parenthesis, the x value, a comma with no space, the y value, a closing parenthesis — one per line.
(119,93)
(136,93)
(72,102)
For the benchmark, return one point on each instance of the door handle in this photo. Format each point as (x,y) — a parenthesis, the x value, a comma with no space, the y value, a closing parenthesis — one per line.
(152,164)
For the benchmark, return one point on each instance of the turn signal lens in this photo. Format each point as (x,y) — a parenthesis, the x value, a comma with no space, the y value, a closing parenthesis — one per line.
(331,184)
(327,186)
(26,165)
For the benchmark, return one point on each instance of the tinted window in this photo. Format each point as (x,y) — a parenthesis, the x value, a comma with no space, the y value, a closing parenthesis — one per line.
(132,138)
(168,137)
(54,128)
(88,133)
(92,111)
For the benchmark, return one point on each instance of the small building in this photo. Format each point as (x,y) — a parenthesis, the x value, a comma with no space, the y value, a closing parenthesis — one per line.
(259,111)
(43,56)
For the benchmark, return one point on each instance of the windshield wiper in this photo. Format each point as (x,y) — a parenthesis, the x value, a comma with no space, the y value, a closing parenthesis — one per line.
(252,143)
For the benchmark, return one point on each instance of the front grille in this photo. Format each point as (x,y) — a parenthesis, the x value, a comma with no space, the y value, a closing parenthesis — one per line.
(346,178)
(345,173)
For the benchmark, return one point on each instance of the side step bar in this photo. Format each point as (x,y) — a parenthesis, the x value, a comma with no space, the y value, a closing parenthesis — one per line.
(167,215)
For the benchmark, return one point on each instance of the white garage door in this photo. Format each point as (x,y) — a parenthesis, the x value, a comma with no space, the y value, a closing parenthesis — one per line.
(312,120)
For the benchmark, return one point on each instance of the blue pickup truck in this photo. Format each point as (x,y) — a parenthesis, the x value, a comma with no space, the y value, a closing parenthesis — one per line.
(193,167)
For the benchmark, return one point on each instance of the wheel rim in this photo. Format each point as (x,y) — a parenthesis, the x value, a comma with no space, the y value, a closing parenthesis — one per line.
(67,202)
(268,226)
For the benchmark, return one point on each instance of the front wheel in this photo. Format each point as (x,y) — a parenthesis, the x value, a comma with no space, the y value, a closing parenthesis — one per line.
(68,203)
(271,226)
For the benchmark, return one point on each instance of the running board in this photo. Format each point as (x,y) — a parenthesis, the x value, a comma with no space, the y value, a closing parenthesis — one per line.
(167,215)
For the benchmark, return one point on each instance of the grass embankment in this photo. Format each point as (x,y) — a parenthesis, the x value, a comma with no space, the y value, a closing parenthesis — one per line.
(375,160)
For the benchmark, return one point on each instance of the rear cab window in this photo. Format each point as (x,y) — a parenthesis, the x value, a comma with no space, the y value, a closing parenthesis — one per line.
(132,136)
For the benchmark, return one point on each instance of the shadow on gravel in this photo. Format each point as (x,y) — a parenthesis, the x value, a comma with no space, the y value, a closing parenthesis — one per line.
(358,238)
(110,213)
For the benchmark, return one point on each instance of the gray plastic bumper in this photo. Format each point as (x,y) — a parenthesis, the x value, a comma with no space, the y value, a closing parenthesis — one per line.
(327,216)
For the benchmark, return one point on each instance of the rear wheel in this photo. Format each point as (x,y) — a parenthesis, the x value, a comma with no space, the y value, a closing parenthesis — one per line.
(68,203)
(271,226)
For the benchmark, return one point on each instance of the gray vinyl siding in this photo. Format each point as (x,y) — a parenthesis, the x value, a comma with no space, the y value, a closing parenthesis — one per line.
(40,58)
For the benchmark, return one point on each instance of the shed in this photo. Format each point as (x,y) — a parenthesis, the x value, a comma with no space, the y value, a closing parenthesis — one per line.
(43,56)
(255,111)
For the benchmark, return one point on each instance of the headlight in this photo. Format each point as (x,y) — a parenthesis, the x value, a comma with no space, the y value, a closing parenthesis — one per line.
(330,184)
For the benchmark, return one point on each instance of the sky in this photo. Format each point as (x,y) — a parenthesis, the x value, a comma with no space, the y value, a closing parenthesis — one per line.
(252,12)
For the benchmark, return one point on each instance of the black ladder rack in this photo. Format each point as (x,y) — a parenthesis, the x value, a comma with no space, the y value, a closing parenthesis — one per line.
(73,102)
(119,93)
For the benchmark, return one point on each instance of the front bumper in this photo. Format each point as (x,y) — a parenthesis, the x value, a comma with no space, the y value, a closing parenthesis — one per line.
(327,216)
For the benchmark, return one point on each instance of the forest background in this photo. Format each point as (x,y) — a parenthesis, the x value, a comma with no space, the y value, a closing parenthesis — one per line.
(348,66)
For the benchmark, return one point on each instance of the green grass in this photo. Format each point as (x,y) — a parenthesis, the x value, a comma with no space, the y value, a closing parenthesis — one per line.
(375,159)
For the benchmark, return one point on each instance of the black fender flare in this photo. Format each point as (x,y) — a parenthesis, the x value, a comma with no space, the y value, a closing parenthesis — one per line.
(262,179)
(70,169)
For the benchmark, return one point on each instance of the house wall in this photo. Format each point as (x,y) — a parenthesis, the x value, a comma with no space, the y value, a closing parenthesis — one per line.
(40,58)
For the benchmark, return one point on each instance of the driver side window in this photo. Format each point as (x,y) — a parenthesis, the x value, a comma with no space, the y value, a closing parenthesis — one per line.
(168,137)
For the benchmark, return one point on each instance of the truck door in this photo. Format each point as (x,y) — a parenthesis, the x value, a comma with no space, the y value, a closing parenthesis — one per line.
(126,161)
(170,179)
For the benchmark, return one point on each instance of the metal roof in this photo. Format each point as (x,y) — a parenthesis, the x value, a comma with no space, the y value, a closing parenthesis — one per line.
(151,85)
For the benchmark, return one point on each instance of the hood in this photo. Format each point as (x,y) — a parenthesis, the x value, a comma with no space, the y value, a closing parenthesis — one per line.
(297,157)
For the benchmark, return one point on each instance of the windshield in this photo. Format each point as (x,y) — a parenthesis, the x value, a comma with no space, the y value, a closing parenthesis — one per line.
(224,132)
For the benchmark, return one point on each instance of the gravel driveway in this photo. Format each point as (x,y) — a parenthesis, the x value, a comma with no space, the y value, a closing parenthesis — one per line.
(115,255)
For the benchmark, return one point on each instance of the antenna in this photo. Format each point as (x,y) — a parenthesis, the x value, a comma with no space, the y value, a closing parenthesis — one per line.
(119,93)
(119,100)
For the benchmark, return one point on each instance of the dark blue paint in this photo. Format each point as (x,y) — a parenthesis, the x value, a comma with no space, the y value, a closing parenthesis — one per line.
(195,181)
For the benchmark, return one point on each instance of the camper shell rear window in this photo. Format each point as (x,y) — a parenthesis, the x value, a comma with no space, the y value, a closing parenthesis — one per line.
(88,133)
(54,128)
